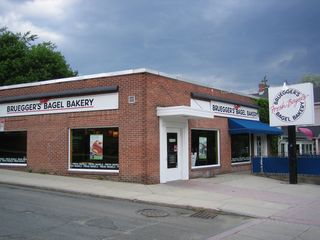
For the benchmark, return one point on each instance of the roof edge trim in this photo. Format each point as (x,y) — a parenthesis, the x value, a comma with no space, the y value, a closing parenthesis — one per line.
(78,78)
(66,93)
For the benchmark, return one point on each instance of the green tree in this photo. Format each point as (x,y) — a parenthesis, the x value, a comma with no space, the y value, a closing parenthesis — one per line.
(312,78)
(264,117)
(263,109)
(21,60)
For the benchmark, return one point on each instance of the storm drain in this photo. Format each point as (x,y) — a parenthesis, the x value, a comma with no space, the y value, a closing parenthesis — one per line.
(204,214)
(153,213)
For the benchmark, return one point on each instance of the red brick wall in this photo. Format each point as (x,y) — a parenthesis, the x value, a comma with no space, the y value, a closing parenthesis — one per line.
(47,146)
(164,92)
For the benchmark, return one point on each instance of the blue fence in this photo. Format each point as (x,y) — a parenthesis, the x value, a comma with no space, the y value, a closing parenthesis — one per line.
(308,165)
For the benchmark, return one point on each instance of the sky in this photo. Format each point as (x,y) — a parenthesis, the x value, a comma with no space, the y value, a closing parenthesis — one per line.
(226,44)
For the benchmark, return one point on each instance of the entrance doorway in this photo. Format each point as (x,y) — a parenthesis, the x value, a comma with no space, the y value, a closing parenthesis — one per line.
(260,145)
(174,161)
(174,140)
(173,156)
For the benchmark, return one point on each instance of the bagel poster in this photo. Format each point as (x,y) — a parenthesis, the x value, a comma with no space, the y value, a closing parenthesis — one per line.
(96,147)
(291,105)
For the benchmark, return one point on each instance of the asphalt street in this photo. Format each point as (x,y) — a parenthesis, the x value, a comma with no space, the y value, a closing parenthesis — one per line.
(28,213)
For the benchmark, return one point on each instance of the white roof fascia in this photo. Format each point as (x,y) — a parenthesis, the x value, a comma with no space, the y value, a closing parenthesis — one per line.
(183,111)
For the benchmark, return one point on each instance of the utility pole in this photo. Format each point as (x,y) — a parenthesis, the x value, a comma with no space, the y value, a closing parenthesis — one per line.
(292,152)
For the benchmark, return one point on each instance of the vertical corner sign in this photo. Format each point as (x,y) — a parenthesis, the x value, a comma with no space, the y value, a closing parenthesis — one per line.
(2,121)
(291,105)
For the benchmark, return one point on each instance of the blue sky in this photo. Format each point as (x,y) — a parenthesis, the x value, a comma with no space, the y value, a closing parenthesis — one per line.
(228,44)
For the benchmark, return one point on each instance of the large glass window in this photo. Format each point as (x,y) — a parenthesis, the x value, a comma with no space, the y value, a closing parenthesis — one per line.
(205,147)
(240,148)
(95,148)
(13,147)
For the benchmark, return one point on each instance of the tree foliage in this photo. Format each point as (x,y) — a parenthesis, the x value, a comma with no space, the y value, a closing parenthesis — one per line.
(21,60)
(264,117)
(263,109)
(312,78)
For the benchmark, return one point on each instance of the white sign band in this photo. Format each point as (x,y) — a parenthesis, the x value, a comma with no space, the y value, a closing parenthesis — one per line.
(229,110)
(97,102)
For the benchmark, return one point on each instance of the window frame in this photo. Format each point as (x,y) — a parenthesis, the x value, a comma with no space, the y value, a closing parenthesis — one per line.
(250,155)
(18,164)
(89,170)
(218,149)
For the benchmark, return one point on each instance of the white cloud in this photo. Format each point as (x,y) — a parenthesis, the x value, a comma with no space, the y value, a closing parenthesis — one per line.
(284,58)
(16,23)
(56,9)
(19,17)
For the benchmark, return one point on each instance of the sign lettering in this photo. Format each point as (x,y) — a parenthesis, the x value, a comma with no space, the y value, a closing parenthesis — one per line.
(236,111)
(60,105)
(291,106)
(223,109)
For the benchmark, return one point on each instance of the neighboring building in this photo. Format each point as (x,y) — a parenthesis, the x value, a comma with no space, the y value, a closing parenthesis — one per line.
(262,89)
(305,145)
(137,125)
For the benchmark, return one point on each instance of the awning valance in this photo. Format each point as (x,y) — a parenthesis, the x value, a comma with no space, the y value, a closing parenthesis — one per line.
(240,126)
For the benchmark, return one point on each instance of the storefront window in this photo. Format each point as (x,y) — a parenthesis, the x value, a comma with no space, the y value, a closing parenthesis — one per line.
(95,148)
(306,148)
(13,147)
(204,146)
(240,147)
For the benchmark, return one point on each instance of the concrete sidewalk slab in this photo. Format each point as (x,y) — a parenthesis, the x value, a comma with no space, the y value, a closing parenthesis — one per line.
(268,229)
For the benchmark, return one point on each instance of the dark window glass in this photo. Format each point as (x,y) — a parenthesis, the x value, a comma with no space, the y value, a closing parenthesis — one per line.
(172,150)
(13,147)
(204,146)
(95,148)
(240,148)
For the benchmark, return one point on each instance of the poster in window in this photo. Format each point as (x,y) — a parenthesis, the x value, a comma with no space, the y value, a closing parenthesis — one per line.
(96,147)
(202,148)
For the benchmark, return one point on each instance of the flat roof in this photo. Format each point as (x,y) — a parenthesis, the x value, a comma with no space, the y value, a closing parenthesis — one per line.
(116,73)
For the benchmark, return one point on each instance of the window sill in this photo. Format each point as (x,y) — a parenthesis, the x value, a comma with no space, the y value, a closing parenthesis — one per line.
(93,170)
(14,164)
(205,166)
(240,163)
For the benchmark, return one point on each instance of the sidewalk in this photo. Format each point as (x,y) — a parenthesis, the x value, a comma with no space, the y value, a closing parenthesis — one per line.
(283,211)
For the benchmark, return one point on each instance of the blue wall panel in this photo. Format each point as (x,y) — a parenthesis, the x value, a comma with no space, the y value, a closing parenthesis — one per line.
(309,165)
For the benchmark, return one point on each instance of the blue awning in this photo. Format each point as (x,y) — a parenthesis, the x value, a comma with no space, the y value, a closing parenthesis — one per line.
(240,126)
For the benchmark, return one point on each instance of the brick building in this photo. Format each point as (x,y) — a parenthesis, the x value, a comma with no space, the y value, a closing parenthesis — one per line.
(137,125)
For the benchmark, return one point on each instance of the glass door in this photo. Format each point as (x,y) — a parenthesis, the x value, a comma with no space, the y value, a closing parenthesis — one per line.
(172,150)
